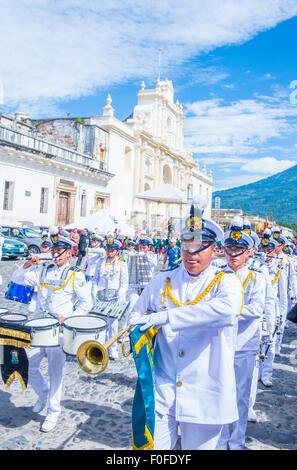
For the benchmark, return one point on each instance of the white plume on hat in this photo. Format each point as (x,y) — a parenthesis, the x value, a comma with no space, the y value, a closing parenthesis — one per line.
(200,203)
(267,231)
(246,221)
(53,230)
(275,229)
(237,222)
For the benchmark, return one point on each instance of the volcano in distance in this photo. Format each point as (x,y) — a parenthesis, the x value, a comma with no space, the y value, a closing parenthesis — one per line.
(276,194)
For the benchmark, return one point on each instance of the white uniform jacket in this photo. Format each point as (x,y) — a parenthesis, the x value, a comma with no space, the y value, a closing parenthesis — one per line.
(63,297)
(249,321)
(93,255)
(194,353)
(111,275)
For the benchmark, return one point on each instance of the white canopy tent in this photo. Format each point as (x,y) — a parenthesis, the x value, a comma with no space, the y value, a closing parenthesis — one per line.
(104,221)
(101,219)
(167,193)
(125,229)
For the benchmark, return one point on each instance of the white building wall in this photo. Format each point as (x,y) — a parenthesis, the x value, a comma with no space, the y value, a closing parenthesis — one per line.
(121,164)
(26,208)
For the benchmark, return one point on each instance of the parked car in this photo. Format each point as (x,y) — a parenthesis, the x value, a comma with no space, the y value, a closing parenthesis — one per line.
(12,248)
(30,237)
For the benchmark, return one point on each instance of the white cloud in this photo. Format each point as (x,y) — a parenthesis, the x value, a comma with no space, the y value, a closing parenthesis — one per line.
(240,128)
(59,50)
(267,165)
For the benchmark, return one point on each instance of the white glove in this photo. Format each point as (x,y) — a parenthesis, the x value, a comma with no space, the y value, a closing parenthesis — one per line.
(156,319)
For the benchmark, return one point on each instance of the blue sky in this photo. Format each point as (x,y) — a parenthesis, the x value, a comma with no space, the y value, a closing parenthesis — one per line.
(231,64)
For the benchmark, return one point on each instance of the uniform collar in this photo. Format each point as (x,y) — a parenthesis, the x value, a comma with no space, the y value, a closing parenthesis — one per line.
(241,270)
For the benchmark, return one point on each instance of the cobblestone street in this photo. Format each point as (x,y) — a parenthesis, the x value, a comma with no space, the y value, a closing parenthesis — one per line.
(96,410)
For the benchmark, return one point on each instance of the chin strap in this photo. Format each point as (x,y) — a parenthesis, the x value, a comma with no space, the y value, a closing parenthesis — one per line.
(235,256)
(57,257)
(202,248)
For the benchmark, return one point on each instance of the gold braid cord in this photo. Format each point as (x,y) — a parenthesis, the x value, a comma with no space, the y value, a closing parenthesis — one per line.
(277,276)
(251,275)
(168,291)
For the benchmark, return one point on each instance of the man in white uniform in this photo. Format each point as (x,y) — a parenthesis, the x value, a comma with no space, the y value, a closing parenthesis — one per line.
(93,254)
(258,263)
(110,283)
(196,308)
(278,283)
(145,266)
(238,247)
(44,258)
(284,262)
(58,301)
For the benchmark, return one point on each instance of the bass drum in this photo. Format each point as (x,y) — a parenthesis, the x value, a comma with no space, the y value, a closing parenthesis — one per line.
(81,328)
(44,332)
(13,318)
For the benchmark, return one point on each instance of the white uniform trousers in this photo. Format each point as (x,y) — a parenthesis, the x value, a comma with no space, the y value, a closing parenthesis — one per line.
(53,390)
(279,338)
(266,367)
(254,385)
(244,364)
(193,436)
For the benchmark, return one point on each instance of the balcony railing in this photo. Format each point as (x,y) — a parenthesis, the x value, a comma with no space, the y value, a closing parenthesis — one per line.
(50,150)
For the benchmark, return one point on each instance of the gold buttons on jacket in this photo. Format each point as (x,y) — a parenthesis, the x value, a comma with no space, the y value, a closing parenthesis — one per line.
(179,383)
(181,353)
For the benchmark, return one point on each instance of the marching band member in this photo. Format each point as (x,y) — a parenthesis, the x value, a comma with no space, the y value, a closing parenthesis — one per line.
(45,248)
(58,302)
(238,247)
(258,263)
(285,263)
(110,282)
(93,254)
(278,282)
(146,264)
(129,250)
(196,306)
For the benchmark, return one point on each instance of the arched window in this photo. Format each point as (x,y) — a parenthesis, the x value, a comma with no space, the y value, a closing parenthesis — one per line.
(167,176)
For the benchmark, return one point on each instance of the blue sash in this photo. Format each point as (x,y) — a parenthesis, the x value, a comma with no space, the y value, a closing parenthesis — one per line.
(143,409)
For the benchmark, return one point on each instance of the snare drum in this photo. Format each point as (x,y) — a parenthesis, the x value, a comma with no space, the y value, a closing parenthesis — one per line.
(81,328)
(19,293)
(15,318)
(44,332)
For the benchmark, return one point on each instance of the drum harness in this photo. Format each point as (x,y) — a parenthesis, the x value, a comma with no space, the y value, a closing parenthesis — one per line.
(51,285)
